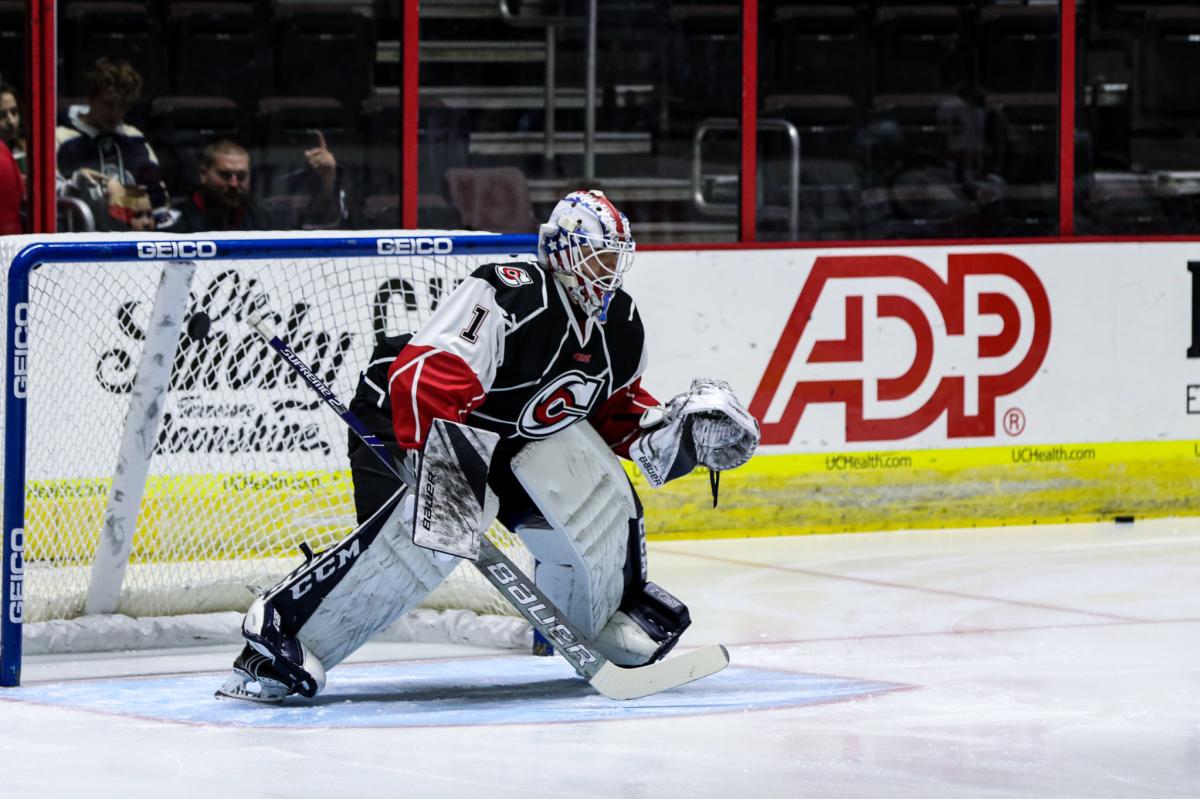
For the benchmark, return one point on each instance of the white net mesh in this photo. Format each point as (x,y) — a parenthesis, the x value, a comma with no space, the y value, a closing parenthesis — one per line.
(248,464)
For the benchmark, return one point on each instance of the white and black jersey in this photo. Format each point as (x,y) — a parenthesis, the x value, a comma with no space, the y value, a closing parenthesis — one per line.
(508,352)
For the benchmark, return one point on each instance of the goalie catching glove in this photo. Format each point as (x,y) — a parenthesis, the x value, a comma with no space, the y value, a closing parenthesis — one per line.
(705,426)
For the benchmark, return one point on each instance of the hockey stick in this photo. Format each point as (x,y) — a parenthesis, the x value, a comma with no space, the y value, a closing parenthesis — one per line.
(611,680)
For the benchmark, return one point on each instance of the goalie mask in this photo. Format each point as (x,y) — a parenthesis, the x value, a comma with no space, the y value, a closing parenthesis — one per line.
(588,247)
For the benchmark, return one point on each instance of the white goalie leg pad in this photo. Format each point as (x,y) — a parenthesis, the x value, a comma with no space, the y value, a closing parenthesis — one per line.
(388,579)
(582,492)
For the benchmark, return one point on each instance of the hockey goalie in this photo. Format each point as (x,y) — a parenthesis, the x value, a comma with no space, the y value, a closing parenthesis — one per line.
(545,359)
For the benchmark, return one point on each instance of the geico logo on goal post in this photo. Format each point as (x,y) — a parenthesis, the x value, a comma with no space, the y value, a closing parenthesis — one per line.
(177,249)
(895,344)
(419,245)
(16,580)
(20,340)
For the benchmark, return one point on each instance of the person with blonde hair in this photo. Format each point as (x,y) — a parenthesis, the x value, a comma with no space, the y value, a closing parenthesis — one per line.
(129,207)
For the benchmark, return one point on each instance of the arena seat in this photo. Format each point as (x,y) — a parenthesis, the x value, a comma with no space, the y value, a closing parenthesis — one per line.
(215,49)
(830,185)
(704,60)
(127,30)
(1170,47)
(324,51)
(12,43)
(1019,210)
(495,199)
(818,50)
(292,121)
(1022,136)
(1017,49)
(920,49)
(828,123)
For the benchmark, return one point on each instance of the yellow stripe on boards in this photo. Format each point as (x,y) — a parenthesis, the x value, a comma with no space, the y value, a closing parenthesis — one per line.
(186,518)
(205,517)
(969,487)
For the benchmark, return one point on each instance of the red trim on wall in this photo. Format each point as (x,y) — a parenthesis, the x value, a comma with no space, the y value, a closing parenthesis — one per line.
(1066,118)
(749,177)
(409,110)
(40,89)
(909,243)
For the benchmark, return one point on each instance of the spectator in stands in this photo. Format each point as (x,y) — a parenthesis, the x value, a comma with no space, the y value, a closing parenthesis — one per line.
(222,200)
(114,205)
(97,137)
(129,208)
(10,127)
(12,189)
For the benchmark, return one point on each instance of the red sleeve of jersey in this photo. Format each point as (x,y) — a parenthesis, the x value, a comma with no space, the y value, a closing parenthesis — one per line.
(425,383)
(12,189)
(616,420)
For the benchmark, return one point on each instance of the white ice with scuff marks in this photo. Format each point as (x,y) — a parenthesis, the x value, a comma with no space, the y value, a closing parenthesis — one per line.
(1033,662)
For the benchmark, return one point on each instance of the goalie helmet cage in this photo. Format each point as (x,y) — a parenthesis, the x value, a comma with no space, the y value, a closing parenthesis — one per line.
(157,458)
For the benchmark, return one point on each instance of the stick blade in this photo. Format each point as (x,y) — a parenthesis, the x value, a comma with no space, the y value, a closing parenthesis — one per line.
(618,682)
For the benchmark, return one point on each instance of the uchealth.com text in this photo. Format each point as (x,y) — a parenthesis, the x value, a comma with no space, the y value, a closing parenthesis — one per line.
(1052,454)
(847,463)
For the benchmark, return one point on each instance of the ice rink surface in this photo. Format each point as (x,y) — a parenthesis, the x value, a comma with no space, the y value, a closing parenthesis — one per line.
(1058,661)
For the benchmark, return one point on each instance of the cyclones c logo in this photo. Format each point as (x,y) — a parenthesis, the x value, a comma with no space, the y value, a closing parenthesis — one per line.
(513,276)
(559,405)
(960,343)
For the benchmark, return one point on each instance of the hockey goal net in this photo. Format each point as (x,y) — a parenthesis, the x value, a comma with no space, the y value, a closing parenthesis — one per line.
(147,496)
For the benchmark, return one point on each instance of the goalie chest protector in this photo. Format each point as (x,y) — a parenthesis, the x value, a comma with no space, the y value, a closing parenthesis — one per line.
(551,374)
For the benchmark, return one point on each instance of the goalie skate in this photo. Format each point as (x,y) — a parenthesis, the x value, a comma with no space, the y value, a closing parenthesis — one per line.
(254,679)
(271,665)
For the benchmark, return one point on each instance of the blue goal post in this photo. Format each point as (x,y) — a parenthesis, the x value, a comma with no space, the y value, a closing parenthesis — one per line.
(129,249)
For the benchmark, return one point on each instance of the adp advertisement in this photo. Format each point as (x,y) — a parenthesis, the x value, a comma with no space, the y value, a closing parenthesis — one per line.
(1064,378)
(913,346)
(934,347)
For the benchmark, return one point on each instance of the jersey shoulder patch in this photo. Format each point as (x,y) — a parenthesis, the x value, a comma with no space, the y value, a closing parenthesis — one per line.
(520,287)
(513,276)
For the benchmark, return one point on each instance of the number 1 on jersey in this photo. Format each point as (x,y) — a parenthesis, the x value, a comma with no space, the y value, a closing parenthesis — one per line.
(471,332)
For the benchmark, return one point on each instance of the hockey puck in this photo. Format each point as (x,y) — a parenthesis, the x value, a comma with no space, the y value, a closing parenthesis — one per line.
(1123,519)
(199,325)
